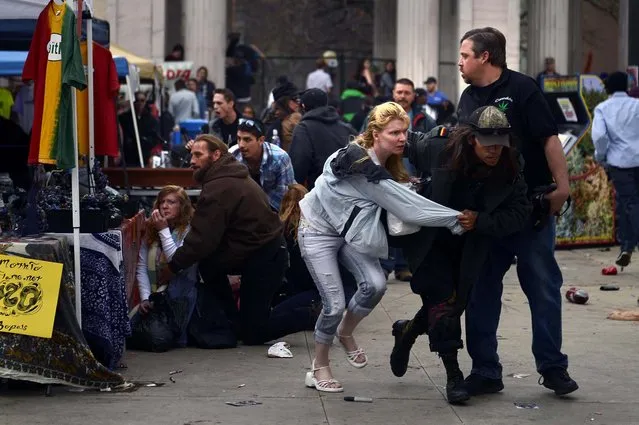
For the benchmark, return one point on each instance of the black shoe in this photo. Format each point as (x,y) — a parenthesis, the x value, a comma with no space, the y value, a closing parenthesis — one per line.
(624,259)
(477,385)
(401,350)
(456,391)
(559,381)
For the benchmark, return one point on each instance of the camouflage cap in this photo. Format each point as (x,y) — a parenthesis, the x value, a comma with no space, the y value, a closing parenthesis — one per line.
(491,126)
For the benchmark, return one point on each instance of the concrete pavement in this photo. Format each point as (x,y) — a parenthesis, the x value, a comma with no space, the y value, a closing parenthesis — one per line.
(603,358)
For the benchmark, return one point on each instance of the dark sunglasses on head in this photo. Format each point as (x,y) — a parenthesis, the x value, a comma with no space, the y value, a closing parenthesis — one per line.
(492,131)
(249,123)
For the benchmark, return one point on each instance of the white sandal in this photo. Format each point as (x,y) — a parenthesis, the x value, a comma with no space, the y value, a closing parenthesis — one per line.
(321,384)
(352,355)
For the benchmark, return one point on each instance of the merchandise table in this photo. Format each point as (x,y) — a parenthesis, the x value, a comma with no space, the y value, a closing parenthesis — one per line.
(105,320)
(65,358)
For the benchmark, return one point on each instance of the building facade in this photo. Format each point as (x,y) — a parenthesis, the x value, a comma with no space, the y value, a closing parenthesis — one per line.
(150,28)
(590,36)
(422,35)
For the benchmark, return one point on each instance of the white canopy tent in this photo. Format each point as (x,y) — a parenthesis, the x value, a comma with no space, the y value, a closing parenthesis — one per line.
(22,9)
(31,9)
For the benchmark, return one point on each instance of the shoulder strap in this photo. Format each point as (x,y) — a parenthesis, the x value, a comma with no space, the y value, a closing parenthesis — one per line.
(417,118)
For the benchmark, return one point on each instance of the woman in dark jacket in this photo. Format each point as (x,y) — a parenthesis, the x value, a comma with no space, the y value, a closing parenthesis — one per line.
(477,172)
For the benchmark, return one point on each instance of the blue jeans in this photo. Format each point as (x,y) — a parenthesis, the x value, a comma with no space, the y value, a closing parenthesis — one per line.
(626,183)
(540,279)
(321,253)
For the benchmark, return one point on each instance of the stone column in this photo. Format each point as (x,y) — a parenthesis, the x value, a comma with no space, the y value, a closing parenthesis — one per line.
(205,36)
(131,32)
(385,29)
(465,22)
(576,62)
(100,8)
(417,39)
(624,33)
(500,14)
(548,34)
(158,30)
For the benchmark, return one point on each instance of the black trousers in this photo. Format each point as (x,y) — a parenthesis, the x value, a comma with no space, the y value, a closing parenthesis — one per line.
(262,276)
(436,282)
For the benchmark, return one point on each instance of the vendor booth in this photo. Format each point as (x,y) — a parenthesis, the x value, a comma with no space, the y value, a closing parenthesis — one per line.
(18,25)
(148,70)
(147,181)
(50,338)
(589,219)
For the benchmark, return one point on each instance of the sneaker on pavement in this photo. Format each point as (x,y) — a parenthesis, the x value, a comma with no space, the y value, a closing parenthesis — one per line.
(477,385)
(623,260)
(559,381)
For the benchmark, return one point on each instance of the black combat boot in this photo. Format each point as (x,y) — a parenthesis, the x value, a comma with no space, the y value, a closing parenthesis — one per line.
(405,333)
(455,389)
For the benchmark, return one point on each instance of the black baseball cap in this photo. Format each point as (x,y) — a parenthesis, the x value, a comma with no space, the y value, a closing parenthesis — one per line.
(313,98)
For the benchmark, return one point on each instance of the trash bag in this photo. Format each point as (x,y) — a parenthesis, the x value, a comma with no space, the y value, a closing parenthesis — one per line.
(155,331)
(210,327)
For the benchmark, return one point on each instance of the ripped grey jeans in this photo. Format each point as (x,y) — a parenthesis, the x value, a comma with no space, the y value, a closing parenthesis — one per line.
(321,253)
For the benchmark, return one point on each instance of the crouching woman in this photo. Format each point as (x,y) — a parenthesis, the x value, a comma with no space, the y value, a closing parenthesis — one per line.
(475,171)
(165,231)
(342,222)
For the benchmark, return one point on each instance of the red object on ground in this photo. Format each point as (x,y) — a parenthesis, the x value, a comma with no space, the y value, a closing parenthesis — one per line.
(609,271)
(577,296)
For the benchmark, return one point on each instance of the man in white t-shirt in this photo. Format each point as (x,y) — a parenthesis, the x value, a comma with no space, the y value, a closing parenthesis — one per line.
(319,79)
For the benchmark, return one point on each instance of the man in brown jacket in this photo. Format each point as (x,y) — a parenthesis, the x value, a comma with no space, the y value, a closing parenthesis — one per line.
(234,232)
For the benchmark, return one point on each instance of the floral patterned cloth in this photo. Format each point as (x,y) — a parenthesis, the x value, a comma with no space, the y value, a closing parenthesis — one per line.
(66,357)
(105,320)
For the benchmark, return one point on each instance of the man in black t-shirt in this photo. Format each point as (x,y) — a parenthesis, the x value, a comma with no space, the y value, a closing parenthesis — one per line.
(224,124)
(483,65)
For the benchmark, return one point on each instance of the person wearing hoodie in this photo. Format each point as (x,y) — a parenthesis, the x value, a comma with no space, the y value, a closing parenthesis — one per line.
(234,231)
(320,133)
(351,101)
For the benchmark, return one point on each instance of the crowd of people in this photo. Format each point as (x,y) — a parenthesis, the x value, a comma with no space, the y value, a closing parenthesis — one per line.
(305,212)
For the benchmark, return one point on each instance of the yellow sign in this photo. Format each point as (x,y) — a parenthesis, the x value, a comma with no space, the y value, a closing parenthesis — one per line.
(563,84)
(28,295)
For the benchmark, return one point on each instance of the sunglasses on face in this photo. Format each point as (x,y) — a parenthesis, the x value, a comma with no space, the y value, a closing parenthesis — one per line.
(249,123)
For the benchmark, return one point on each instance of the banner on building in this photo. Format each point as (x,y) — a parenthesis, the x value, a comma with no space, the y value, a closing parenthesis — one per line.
(174,71)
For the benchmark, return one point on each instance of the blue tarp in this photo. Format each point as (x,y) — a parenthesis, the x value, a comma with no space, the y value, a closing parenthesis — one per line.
(11,63)
(122,65)
(16,34)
